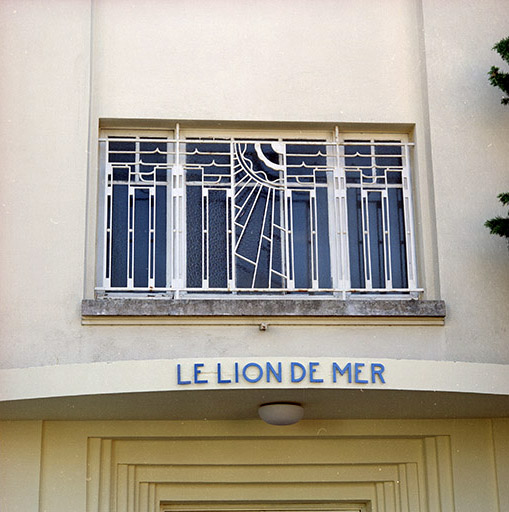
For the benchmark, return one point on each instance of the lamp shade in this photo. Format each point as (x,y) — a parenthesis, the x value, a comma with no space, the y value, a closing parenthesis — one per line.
(281,413)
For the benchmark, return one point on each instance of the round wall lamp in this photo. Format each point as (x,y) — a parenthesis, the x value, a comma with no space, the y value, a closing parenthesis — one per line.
(281,413)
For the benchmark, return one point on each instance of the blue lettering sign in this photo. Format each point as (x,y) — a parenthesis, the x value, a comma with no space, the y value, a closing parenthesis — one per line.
(376,370)
(289,372)
(271,371)
(312,370)
(197,372)
(220,380)
(337,369)
(252,365)
(358,370)
(292,371)
(179,378)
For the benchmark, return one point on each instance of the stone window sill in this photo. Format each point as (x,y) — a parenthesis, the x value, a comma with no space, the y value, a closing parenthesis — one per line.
(149,311)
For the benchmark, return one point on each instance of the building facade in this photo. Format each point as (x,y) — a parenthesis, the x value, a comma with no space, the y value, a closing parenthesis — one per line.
(211,206)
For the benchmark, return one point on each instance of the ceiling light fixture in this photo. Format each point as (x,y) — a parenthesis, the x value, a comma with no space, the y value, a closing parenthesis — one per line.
(281,413)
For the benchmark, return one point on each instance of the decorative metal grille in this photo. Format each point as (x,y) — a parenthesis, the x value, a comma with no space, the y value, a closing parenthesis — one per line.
(267,216)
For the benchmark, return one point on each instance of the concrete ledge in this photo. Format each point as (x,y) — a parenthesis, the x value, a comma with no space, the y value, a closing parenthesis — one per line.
(263,308)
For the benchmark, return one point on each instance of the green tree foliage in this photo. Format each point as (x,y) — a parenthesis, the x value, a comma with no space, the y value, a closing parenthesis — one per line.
(497,78)
(500,225)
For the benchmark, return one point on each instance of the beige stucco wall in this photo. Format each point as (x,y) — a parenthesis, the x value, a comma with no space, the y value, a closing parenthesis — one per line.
(67,64)
(363,62)
(82,463)
(20,465)
(282,61)
(44,87)
(470,146)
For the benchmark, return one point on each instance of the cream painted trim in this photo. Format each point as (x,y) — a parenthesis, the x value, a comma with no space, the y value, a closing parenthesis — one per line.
(161,375)
(394,474)
(238,320)
(141,132)
(265,506)
(248,132)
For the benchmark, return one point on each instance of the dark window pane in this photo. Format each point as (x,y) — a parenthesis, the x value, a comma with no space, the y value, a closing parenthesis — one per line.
(121,154)
(194,237)
(376,241)
(217,239)
(324,260)
(160,241)
(397,236)
(301,239)
(355,239)
(141,231)
(119,236)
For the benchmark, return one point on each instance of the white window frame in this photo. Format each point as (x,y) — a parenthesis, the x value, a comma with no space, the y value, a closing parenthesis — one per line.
(407,191)
(176,229)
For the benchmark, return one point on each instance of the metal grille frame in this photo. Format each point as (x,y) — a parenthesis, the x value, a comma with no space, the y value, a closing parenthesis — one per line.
(176,185)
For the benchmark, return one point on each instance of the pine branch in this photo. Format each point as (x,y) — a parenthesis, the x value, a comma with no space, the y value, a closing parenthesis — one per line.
(500,225)
(498,78)
(504,198)
(502,48)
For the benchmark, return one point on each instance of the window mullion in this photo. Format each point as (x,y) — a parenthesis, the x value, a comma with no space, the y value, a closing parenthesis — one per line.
(177,219)
(170,164)
(339,227)
(386,237)
(131,216)
(366,238)
(313,232)
(289,257)
(231,236)
(152,205)
(205,238)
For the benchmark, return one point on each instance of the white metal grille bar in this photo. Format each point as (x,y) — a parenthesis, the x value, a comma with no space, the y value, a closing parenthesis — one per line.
(231,225)
(314,239)
(386,239)
(409,219)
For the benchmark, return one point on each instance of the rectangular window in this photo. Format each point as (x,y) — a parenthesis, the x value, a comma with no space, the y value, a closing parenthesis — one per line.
(216,214)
